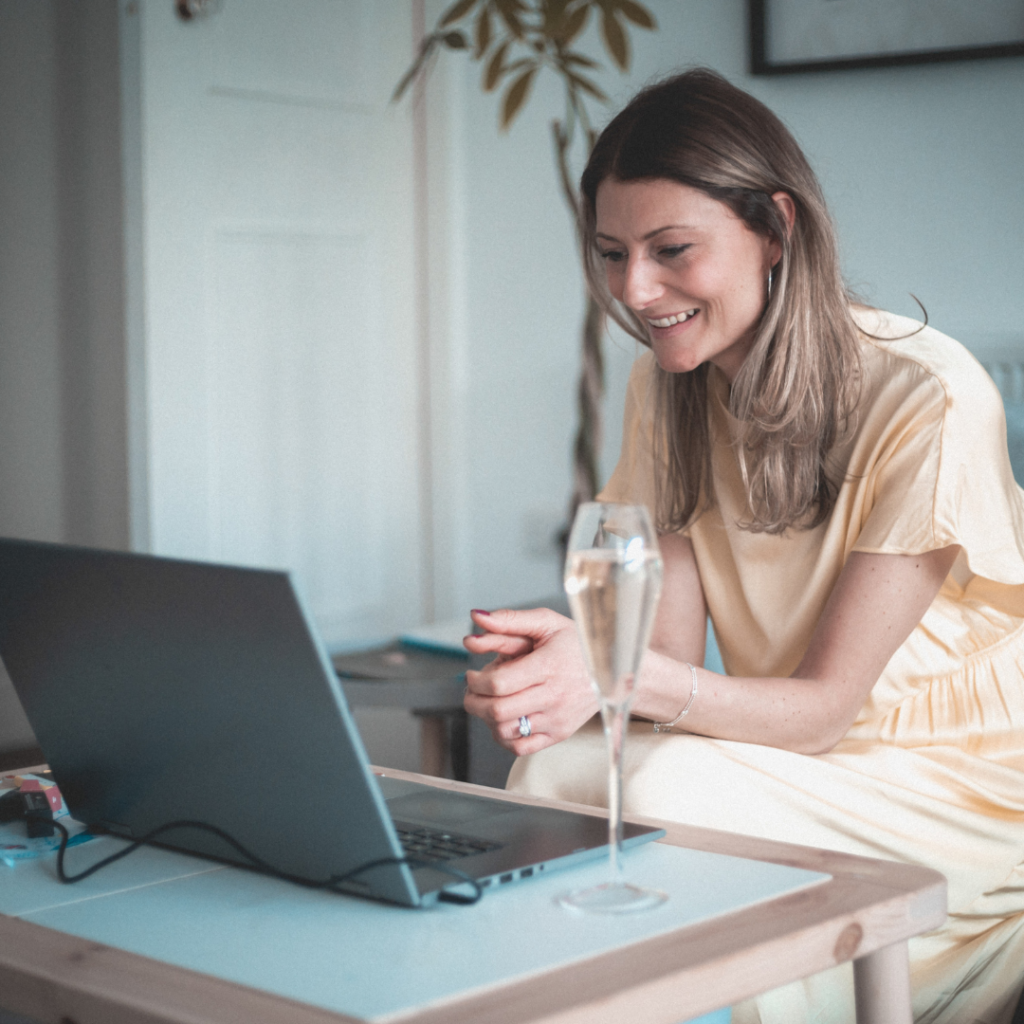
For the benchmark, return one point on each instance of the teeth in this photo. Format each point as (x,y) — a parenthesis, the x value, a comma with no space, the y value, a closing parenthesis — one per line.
(668,321)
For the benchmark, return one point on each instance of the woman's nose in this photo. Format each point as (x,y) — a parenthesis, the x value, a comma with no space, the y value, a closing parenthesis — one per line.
(640,286)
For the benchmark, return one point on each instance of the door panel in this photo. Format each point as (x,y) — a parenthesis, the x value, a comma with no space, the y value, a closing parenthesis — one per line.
(280,300)
(291,387)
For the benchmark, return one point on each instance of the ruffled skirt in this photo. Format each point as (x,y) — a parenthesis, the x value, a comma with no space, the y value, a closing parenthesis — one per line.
(937,804)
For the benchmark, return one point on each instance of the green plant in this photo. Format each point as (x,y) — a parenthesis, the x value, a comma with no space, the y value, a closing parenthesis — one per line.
(515,40)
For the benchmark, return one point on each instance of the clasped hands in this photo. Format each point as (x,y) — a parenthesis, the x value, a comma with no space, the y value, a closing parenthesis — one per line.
(539,671)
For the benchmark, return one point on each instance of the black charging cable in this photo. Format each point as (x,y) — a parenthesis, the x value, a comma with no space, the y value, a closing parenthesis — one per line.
(36,817)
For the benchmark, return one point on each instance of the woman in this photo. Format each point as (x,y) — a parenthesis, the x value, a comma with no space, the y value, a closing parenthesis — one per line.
(831,483)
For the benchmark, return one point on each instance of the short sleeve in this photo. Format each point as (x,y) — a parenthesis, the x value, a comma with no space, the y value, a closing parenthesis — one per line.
(931,467)
(633,479)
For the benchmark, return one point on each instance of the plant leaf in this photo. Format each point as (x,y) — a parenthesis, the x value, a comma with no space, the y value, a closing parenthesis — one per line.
(581,59)
(406,81)
(457,10)
(573,25)
(455,41)
(516,96)
(426,48)
(483,33)
(588,86)
(615,39)
(636,13)
(495,69)
(523,62)
(554,15)
(508,9)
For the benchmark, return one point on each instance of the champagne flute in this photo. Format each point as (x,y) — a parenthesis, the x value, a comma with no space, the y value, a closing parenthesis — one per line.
(613,575)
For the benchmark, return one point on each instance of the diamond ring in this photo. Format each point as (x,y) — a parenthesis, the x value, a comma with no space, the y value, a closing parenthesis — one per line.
(525,729)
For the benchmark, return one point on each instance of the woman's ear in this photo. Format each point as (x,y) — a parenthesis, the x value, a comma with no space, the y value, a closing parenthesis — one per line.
(786,206)
(787,209)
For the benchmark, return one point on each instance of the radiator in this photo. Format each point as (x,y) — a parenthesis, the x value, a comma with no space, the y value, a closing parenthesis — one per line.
(1009,378)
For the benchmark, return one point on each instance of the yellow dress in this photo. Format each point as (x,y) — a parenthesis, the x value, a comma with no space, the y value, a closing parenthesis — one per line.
(932,770)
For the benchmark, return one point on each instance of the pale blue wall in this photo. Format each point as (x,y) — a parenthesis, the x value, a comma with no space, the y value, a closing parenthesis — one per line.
(923,170)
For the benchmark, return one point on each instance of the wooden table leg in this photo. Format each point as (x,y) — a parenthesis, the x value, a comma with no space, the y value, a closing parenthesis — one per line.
(459,746)
(444,743)
(881,981)
(433,744)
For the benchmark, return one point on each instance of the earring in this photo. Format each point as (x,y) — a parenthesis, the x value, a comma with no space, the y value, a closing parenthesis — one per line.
(771,276)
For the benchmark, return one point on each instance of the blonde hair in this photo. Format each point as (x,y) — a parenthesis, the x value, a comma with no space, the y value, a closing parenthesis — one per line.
(798,387)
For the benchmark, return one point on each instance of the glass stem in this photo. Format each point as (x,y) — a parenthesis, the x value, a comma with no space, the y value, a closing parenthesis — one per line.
(614,718)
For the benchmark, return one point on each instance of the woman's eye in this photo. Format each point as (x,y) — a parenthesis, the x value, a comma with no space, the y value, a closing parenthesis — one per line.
(613,255)
(672,251)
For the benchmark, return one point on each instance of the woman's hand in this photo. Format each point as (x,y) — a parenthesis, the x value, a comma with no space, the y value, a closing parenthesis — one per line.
(539,672)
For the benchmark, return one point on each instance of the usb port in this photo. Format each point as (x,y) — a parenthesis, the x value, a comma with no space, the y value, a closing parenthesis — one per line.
(505,878)
(526,872)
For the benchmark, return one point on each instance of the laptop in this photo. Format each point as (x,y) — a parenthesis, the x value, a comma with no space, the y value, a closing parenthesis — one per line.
(163,690)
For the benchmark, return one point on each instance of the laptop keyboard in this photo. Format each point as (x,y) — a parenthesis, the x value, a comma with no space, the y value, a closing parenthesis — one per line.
(436,844)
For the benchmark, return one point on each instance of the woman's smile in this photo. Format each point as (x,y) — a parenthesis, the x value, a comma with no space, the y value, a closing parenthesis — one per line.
(672,319)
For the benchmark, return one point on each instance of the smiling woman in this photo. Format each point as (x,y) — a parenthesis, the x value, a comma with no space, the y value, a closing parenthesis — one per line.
(769,262)
(831,484)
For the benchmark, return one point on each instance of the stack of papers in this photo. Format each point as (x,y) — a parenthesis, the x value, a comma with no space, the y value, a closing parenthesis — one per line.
(443,637)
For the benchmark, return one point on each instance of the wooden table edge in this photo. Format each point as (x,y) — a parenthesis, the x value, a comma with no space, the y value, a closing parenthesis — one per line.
(867,906)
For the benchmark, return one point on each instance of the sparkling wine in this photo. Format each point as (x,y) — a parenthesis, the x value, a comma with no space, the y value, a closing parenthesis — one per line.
(613,581)
(613,594)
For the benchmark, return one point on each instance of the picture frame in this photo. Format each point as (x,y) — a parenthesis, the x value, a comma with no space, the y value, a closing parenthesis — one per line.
(797,36)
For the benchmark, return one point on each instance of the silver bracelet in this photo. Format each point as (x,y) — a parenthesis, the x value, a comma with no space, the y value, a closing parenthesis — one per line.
(667,726)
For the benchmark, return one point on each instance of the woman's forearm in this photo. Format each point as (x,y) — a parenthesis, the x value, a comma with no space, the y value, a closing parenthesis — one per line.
(804,715)
(874,606)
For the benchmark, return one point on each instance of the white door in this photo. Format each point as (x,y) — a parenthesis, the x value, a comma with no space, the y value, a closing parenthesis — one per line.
(278,297)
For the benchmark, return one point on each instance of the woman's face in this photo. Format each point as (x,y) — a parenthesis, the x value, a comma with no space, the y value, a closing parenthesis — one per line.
(688,267)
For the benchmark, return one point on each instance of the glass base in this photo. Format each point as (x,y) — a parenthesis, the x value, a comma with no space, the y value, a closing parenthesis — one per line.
(613,898)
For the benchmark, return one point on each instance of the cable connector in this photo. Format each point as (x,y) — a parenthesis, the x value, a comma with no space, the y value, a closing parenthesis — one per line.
(30,806)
